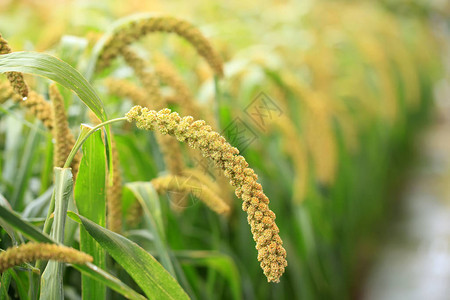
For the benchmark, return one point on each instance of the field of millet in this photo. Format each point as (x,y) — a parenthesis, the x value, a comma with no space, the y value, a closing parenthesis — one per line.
(205,150)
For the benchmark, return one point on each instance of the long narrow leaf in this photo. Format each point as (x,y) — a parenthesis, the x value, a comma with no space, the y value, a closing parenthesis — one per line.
(151,277)
(57,70)
(13,219)
(4,285)
(50,67)
(96,273)
(91,203)
(9,230)
(93,272)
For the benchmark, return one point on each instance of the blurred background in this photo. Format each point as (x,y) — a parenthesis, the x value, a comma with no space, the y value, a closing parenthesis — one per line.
(341,107)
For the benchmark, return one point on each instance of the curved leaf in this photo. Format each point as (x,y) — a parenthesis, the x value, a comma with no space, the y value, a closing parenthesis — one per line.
(50,67)
(34,234)
(151,277)
(13,219)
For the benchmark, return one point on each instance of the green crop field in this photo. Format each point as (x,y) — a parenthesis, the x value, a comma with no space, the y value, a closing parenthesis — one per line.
(205,150)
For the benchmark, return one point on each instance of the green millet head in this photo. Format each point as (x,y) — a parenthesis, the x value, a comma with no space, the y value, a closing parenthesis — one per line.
(198,135)
(134,30)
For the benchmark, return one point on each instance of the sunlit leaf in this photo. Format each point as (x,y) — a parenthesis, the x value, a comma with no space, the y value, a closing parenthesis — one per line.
(57,70)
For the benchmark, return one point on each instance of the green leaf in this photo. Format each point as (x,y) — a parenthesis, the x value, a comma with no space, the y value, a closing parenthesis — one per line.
(91,270)
(149,201)
(4,285)
(9,230)
(91,202)
(21,286)
(151,277)
(52,278)
(50,67)
(13,219)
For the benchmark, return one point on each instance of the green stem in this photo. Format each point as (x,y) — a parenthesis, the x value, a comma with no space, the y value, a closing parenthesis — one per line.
(83,138)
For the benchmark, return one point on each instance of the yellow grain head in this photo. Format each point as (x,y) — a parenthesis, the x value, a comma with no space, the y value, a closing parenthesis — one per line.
(169,147)
(15,78)
(29,252)
(200,175)
(188,185)
(198,135)
(138,28)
